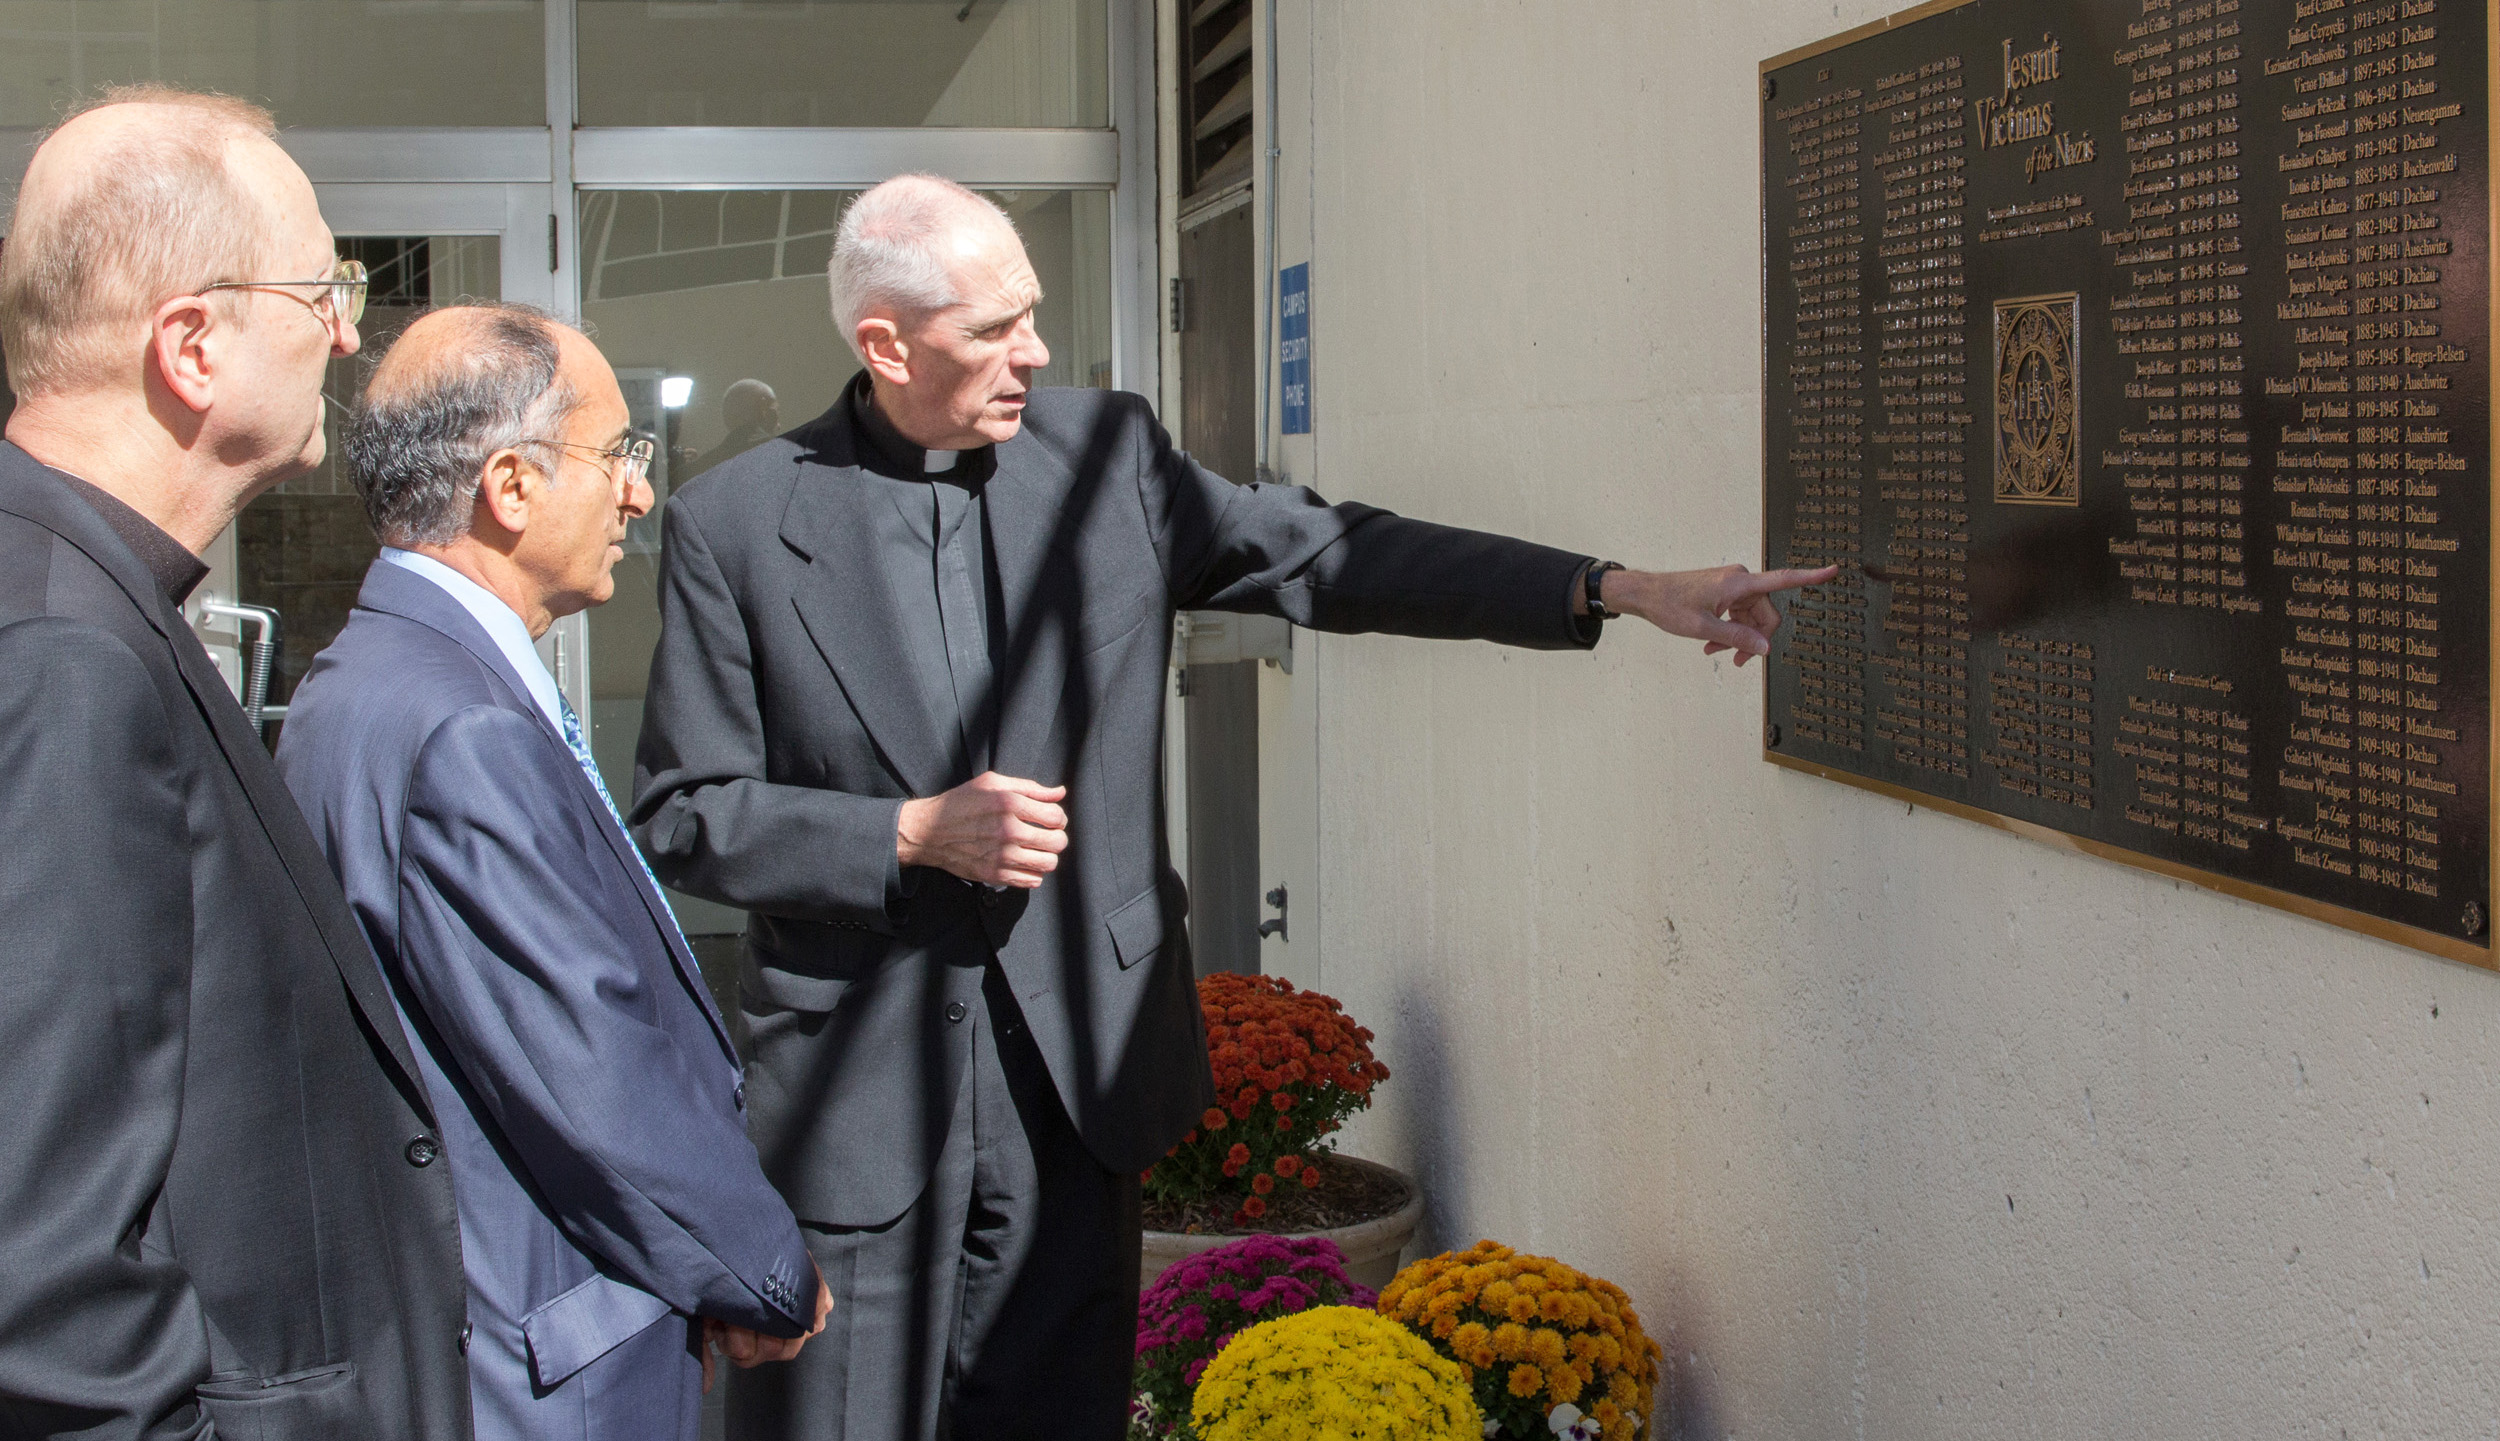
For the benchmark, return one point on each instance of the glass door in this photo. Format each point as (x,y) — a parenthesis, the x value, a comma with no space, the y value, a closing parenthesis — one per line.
(286,573)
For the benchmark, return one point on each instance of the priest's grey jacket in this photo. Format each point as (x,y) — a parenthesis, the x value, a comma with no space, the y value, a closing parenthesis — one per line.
(783,729)
(225,1211)
(589,1095)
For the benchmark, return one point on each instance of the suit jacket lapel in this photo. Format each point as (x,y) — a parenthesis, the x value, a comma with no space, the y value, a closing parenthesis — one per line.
(50,504)
(1032,529)
(849,608)
(402,593)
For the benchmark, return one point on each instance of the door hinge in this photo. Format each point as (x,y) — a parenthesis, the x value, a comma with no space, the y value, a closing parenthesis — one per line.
(1180,305)
(552,252)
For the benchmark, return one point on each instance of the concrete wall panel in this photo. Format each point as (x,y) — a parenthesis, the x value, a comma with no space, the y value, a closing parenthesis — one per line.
(1894,1126)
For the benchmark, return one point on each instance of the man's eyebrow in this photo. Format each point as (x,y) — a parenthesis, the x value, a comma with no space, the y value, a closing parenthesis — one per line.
(975,327)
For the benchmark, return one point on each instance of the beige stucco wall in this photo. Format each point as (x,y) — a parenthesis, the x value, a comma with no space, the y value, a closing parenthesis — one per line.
(1894,1126)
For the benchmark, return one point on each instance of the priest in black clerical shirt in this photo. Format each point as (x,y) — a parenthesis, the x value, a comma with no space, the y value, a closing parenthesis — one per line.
(907,711)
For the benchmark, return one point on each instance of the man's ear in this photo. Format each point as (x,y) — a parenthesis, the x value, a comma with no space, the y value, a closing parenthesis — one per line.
(882,346)
(506,490)
(185,337)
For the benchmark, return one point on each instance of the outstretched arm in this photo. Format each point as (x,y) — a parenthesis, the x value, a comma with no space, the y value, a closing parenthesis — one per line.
(1284,551)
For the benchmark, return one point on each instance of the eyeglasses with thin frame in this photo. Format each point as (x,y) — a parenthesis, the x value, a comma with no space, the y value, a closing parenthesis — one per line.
(342,295)
(636,454)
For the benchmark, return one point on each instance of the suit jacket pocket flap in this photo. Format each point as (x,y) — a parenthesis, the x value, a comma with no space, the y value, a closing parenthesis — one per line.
(1137,928)
(320,1403)
(584,1324)
(771,987)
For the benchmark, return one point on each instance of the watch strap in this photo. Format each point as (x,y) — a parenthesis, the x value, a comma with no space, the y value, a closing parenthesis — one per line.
(1593,579)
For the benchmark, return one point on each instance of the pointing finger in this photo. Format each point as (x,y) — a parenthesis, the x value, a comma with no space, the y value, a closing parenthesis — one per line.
(1766,582)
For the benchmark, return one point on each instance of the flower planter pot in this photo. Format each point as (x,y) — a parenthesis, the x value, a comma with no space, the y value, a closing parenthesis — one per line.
(1371,1247)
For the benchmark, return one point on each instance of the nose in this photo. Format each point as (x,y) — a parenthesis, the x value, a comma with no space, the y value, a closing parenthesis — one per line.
(640,497)
(1027,352)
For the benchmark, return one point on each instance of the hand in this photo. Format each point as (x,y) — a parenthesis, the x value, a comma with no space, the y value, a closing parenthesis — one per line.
(992,830)
(748,1349)
(1728,608)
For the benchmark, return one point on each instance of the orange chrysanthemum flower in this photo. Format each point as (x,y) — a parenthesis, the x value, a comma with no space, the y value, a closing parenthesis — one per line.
(1534,1334)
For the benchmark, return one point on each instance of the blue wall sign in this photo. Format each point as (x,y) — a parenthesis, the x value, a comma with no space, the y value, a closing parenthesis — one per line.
(1295,351)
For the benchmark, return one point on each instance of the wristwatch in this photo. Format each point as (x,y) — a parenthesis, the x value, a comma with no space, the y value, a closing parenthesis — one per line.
(1593,579)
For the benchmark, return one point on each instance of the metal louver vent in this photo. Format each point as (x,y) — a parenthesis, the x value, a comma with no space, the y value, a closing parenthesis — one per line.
(1216,89)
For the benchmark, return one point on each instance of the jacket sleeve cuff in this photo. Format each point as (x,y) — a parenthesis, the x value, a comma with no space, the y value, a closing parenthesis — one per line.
(900,884)
(1586,627)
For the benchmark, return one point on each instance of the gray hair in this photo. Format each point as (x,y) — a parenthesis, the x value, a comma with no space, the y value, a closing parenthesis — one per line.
(418,447)
(886,252)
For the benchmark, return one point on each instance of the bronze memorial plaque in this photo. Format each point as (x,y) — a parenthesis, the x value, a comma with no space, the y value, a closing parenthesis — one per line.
(2131,359)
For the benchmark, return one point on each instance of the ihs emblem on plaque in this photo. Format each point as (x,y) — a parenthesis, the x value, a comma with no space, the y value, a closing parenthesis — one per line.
(2039,445)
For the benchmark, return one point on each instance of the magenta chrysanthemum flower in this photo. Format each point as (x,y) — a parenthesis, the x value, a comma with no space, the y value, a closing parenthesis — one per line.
(1193,1308)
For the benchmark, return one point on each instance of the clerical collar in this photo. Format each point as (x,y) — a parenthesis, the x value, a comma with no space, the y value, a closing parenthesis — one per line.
(895,454)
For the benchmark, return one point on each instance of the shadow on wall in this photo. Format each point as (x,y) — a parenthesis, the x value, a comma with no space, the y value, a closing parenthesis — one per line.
(1437,1131)
(1689,1412)
(1437,1126)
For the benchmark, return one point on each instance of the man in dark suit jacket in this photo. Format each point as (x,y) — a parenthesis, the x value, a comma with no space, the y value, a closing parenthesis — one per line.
(590,1096)
(907,710)
(226,1210)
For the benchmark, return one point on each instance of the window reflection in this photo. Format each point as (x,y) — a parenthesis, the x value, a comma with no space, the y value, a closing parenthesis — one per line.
(313,62)
(844,62)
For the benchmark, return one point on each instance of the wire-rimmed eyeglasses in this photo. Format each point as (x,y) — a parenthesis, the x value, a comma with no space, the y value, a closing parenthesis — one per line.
(635,455)
(341,297)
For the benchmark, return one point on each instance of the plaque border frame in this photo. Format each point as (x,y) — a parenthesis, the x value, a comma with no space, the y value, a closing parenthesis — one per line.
(2485,956)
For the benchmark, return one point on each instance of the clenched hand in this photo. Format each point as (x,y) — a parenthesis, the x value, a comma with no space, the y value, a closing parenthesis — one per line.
(992,830)
(748,1348)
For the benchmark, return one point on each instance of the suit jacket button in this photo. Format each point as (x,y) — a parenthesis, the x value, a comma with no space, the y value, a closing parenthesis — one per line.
(739,1096)
(422,1151)
(955,1010)
(464,1338)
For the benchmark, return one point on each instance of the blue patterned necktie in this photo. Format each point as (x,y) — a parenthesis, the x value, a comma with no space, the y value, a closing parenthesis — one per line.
(580,747)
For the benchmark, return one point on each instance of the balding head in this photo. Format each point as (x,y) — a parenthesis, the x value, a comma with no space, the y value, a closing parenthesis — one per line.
(148,194)
(748,402)
(458,386)
(897,246)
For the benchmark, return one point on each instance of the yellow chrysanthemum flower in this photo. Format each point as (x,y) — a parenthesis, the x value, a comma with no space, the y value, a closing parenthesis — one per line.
(1510,1340)
(1525,1380)
(1334,1371)
(1563,1384)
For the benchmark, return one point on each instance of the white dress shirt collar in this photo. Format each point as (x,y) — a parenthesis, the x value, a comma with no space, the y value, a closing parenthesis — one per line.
(501,624)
